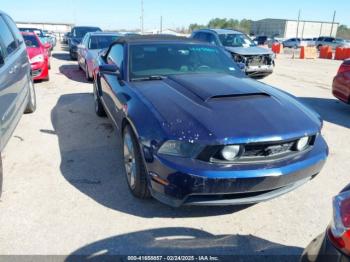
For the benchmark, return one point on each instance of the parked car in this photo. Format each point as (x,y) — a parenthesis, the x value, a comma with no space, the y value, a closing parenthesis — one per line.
(17,94)
(341,82)
(261,40)
(197,131)
(38,54)
(292,43)
(89,49)
(65,39)
(331,41)
(255,61)
(43,39)
(77,35)
(334,243)
(51,38)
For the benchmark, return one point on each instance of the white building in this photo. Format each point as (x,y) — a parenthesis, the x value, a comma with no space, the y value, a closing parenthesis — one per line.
(283,28)
(52,27)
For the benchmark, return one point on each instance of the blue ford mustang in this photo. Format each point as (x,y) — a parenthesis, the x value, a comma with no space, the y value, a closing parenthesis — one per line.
(196,131)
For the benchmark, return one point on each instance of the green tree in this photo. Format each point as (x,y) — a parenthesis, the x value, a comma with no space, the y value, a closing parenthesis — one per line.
(224,23)
(343,32)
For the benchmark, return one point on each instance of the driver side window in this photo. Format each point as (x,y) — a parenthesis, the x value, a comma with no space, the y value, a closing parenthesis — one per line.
(116,55)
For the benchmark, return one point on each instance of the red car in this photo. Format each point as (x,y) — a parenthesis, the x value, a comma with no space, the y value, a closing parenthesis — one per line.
(38,56)
(341,82)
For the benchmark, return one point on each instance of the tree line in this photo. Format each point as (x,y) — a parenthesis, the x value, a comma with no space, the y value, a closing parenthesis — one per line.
(243,25)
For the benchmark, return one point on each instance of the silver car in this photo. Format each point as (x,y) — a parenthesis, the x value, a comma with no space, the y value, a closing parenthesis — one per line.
(255,61)
(90,47)
(292,43)
(332,42)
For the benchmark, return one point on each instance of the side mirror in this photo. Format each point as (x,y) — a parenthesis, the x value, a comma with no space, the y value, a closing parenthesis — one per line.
(47,46)
(110,69)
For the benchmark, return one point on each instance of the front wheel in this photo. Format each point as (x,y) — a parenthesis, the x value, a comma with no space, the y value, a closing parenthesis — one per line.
(87,74)
(99,110)
(134,167)
(31,105)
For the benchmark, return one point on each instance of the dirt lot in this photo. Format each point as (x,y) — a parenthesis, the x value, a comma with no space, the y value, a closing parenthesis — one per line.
(65,193)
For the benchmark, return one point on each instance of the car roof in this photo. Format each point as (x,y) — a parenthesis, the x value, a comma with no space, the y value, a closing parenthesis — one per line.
(105,33)
(78,27)
(135,39)
(220,31)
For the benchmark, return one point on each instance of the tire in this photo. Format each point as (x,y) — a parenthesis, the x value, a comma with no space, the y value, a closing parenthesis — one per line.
(87,75)
(31,105)
(1,175)
(135,170)
(99,110)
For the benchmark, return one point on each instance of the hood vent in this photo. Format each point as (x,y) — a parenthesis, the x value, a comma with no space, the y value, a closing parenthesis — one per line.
(238,96)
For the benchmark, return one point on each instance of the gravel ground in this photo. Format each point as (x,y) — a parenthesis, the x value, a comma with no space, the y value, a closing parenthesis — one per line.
(65,193)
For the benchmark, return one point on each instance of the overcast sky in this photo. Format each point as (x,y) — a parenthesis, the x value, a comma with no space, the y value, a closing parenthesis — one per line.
(125,14)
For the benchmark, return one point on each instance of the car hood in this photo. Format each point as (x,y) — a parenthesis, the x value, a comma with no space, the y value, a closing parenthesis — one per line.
(34,51)
(253,50)
(220,108)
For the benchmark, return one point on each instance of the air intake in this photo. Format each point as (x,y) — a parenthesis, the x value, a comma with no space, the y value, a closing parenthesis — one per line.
(238,96)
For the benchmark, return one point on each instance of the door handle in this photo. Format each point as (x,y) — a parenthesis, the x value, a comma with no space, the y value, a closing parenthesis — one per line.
(13,69)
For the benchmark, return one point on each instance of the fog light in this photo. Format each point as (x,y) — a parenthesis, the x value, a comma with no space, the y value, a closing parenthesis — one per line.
(229,153)
(303,143)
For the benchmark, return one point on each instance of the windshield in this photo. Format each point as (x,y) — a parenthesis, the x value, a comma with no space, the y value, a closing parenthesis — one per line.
(82,31)
(31,41)
(236,40)
(102,41)
(174,59)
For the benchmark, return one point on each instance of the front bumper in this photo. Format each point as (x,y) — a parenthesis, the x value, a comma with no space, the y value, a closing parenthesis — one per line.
(322,250)
(341,89)
(40,71)
(259,71)
(193,182)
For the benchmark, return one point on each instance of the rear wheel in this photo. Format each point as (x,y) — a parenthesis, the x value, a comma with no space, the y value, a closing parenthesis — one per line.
(31,105)
(134,167)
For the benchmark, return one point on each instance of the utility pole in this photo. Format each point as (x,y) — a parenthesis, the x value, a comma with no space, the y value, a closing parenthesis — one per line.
(161,24)
(298,23)
(141,18)
(297,32)
(333,23)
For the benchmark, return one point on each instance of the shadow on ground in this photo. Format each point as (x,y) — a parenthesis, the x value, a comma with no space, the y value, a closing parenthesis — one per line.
(62,56)
(73,73)
(331,110)
(186,241)
(92,162)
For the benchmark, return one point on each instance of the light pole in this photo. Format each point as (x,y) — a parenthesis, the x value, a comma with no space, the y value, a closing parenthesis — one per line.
(141,18)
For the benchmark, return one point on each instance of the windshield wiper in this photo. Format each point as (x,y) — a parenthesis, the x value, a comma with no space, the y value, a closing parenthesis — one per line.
(148,78)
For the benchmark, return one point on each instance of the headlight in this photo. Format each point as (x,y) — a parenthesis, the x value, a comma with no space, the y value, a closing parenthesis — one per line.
(37,59)
(229,153)
(179,148)
(303,143)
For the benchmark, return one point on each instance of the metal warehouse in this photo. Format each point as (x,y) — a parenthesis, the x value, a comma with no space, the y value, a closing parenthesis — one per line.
(55,27)
(284,28)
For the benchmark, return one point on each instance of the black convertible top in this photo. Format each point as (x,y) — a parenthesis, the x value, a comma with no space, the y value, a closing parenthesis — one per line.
(154,38)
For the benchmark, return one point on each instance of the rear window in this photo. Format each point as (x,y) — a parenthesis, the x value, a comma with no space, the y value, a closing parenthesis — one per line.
(80,32)
(31,41)
(7,37)
(102,41)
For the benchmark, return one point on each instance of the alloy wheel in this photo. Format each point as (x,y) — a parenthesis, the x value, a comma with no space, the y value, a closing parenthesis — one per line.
(129,160)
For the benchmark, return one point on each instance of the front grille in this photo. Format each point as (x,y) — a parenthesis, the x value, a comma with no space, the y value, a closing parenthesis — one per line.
(255,151)
(259,60)
(36,72)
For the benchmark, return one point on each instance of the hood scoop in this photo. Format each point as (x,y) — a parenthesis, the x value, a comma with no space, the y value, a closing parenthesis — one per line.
(216,86)
(239,97)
